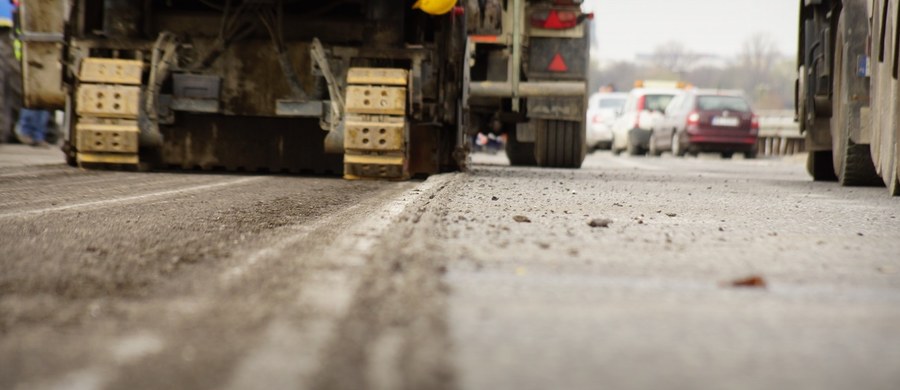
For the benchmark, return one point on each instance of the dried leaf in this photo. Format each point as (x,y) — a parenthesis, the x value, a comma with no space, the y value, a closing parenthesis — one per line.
(754,281)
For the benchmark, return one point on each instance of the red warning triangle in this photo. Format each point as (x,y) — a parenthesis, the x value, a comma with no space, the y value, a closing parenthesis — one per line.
(553,21)
(558,65)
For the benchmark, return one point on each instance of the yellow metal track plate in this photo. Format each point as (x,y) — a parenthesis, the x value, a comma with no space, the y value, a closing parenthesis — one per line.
(114,101)
(110,71)
(109,138)
(107,158)
(375,136)
(382,76)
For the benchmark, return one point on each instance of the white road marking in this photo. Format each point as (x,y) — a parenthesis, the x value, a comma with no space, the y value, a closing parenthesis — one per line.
(127,199)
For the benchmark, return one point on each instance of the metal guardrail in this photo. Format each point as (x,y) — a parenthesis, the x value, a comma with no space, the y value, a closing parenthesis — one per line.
(779,135)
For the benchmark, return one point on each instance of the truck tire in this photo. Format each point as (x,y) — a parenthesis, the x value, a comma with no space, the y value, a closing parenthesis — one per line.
(894,188)
(852,162)
(519,153)
(559,144)
(819,165)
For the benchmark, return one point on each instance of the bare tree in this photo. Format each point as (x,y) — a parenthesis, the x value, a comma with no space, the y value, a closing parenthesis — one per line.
(759,53)
(758,61)
(673,57)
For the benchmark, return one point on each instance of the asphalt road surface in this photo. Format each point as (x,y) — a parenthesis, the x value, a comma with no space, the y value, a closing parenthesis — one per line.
(630,273)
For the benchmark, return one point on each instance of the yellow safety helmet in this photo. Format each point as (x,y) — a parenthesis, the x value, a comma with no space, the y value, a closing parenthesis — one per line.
(435,7)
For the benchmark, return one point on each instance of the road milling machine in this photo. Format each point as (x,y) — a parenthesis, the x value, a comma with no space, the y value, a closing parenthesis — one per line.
(383,89)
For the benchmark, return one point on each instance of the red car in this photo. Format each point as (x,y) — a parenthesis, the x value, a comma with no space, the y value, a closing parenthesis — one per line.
(706,121)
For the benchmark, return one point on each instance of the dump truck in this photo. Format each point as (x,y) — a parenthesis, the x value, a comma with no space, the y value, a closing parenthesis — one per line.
(363,88)
(847,91)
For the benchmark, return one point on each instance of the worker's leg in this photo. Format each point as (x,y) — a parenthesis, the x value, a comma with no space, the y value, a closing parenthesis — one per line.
(32,126)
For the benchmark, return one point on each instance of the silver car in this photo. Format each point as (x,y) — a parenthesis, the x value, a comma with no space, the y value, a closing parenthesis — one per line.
(602,110)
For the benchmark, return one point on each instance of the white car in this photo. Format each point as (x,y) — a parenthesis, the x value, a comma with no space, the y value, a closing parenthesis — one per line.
(644,107)
(602,110)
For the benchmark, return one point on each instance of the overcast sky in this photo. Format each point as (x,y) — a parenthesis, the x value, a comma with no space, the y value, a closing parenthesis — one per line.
(625,28)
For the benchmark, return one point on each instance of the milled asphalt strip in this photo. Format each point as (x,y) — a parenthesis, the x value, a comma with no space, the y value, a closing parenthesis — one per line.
(127,199)
(287,357)
(275,361)
(364,232)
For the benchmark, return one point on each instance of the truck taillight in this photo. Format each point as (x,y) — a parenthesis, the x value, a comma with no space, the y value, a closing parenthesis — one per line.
(554,19)
(754,122)
(693,119)
(597,119)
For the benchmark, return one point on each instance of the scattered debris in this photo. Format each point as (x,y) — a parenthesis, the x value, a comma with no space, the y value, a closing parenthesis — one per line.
(521,219)
(600,222)
(671,215)
(859,234)
(495,198)
(754,281)
(721,229)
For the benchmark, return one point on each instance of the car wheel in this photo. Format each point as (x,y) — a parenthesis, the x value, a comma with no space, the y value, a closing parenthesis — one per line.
(727,155)
(677,148)
(751,154)
(632,147)
(654,149)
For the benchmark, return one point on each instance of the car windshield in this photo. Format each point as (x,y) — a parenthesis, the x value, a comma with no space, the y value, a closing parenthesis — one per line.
(657,102)
(722,103)
(611,103)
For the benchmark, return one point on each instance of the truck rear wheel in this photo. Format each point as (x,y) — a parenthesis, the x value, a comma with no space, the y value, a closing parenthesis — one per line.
(819,165)
(894,188)
(559,144)
(852,162)
(519,153)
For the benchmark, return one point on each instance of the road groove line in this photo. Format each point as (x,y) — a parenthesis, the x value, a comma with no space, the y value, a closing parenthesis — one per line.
(106,202)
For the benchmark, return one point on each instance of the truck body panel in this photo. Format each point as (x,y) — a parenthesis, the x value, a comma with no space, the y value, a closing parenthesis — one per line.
(848,96)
